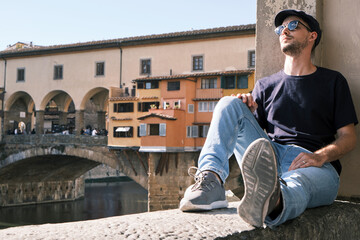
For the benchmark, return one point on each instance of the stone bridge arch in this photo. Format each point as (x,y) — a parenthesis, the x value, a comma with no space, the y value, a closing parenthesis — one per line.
(82,159)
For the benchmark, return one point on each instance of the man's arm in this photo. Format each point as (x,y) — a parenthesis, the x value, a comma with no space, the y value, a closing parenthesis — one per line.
(344,143)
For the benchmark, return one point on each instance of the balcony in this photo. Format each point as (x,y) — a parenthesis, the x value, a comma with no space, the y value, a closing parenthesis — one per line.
(211,93)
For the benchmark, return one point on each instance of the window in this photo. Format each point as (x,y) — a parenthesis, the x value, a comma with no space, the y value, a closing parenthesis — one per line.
(173,86)
(190,108)
(20,74)
(123,132)
(207,106)
(145,65)
(192,131)
(177,104)
(197,63)
(145,106)
(228,82)
(208,83)
(166,105)
(203,106)
(251,59)
(152,130)
(203,130)
(100,68)
(232,82)
(242,82)
(58,72)
(148,85)
(123,107)
(212,106)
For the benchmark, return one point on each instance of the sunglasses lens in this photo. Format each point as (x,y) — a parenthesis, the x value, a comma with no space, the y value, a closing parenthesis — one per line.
(279,29)
(292,25)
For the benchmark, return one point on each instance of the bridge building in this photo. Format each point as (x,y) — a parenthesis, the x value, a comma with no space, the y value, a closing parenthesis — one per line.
(152,94)
(80,75)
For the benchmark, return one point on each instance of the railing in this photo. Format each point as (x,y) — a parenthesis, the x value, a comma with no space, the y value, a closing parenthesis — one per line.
(209,93)
(55,139)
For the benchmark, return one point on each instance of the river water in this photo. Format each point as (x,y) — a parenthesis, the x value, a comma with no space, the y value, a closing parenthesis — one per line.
(102,199)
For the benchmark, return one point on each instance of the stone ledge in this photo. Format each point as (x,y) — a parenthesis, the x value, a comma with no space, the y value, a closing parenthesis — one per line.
(338,221)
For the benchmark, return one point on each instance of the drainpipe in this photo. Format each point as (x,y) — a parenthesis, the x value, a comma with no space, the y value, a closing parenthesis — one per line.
(121,52)
(2,102)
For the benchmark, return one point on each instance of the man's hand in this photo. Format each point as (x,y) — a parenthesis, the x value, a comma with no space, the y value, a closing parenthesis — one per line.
(248,100)
(306,160)
(344,143)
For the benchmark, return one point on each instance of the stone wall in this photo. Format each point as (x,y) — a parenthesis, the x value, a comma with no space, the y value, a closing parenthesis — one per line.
(35,192)
(168,179)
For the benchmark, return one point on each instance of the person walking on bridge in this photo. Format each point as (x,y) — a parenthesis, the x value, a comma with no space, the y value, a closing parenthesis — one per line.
(309,120)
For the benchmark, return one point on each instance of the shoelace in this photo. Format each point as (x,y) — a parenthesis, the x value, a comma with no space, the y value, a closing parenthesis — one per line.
(282,181)
(201,183)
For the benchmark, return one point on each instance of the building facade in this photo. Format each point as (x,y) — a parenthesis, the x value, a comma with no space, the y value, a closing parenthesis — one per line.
(111,84)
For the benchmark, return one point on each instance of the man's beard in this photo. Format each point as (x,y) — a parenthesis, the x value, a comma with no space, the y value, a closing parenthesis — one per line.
(294,48)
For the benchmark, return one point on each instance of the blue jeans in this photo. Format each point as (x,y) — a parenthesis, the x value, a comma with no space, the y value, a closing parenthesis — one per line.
(233,128)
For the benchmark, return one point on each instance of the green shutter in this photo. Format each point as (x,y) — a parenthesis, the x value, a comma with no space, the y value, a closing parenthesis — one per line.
(222,82)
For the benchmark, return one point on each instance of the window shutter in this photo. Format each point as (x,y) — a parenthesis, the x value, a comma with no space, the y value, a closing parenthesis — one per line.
(195,131)
(222,82)
(205,130)
(190,108)
(188,131)
(142,130)
(162,129)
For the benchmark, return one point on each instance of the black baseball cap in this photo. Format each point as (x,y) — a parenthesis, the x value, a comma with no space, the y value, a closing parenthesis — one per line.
(310,20)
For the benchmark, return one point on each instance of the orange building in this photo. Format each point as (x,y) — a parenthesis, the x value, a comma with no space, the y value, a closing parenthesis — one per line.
(171,84)
(187,102)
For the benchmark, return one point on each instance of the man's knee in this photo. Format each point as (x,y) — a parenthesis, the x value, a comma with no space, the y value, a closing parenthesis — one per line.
(229,101)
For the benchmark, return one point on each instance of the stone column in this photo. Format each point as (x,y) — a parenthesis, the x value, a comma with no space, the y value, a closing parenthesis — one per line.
(79,121)
(62,118)
(39,126)
(101,120)
(6,122)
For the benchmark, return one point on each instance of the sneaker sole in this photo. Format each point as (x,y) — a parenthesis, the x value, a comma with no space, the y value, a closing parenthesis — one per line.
(259,172)
(187,206)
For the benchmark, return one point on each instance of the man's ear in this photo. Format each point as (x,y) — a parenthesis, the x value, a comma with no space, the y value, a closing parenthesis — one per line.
(313,36)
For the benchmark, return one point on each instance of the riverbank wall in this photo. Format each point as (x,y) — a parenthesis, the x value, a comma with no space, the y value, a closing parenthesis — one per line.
(340,220)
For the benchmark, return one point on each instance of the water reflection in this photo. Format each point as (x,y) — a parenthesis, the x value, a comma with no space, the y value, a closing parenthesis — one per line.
(101,200)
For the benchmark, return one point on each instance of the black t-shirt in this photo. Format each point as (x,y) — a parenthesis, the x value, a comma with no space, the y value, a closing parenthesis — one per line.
(304,110)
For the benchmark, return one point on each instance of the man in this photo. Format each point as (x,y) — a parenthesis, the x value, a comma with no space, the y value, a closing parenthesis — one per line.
(294,165)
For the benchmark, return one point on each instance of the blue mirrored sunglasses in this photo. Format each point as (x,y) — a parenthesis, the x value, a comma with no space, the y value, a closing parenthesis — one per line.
(291,26)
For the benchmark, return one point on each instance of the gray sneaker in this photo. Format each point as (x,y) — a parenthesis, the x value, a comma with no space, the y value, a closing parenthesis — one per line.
(206,194)
(262,188)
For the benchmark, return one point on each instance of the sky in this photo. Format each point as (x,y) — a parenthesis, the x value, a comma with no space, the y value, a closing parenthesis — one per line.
(48,22)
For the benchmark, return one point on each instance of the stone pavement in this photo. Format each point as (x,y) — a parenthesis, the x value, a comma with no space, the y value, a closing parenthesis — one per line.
(338,221)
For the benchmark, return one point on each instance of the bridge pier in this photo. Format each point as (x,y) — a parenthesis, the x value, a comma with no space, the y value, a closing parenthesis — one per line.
(101,119)
(39,126)
(79,121)
(62,118)
(168,179)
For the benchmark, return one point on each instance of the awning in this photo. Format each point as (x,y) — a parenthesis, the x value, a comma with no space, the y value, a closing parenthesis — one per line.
(122,129)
